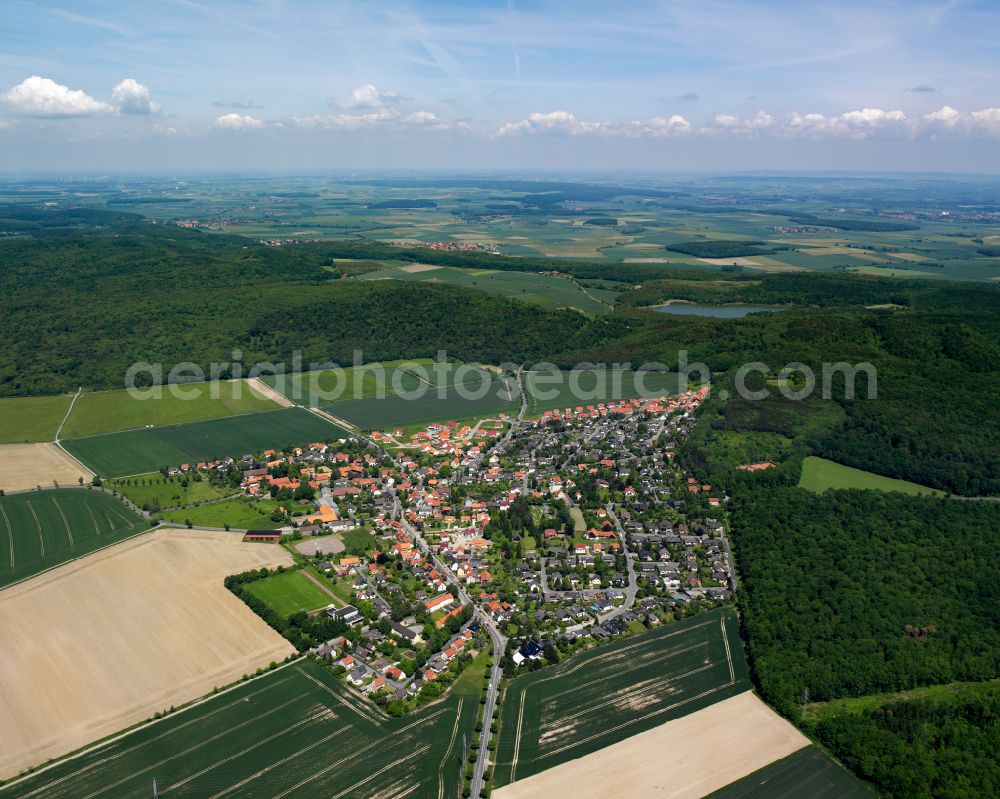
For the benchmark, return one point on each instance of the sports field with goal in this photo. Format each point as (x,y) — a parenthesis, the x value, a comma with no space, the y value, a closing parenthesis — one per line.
(41,529)
(615,691)
(296,732)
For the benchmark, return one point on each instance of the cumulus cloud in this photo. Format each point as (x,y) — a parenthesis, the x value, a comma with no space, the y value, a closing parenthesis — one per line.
(236,121)
(132,97)
(565,123)
(858,124)
(945,116)
(987,120)
(368,97)
(42,97)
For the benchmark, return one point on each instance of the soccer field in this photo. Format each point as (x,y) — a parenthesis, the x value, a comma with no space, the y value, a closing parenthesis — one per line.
(296,733)
(41,529)
(612,692)
(142,451)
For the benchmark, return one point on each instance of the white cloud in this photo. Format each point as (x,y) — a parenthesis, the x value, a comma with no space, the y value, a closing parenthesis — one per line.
(566,123)
(41,97)
(383,116)
(946,115)
(236,121)
(132,97)
(987,120)
(368,97)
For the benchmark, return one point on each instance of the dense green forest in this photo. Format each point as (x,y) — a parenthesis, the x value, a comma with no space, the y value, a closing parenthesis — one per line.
(922,748)
(88,293)
(858,592)
(719,248)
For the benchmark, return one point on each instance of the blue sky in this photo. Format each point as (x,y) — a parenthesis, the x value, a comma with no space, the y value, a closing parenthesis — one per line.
(316,84)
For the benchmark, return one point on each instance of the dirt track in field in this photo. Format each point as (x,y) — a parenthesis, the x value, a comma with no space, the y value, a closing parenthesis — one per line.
(686,758)
(262,389)
(104,642)
(24,466)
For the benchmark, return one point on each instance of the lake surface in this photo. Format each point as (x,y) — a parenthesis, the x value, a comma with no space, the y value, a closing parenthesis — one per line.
(718,311)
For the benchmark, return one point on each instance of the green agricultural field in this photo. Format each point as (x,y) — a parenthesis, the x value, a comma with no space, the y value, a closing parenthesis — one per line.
(321,387)
(26,420)
(612,692)
(296,733)
(524,286)
(433,405)
(808,772)
(548,390)
(143,451)
(288,593)
(41,529)
(115,411)
(154,491)
(240,514)
(819,475)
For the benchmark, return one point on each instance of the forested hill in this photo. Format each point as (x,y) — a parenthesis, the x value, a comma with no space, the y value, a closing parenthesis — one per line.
(84,297)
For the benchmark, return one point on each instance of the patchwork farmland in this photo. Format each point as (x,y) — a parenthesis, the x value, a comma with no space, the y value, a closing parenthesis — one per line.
(296,732)
(42,529)
(142,451)
(612,692)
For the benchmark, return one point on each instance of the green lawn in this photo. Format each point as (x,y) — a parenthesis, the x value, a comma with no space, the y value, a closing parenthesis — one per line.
(288,593)
(819,475)
(142,451)
(618,690)
(115,411)
(239,514)
(30,419)
(153,490)
(295,733)
(807,773)
(42,529)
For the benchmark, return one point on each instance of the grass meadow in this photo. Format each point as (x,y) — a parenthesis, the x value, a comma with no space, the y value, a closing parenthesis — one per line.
(819,475)
(612,692)
(295,733)
(41,529)
(29,420)
(115,411)
(153,490)
(239,513)
(137,452)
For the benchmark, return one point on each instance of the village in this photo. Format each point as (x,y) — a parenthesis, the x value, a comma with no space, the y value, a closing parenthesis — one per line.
(547,534)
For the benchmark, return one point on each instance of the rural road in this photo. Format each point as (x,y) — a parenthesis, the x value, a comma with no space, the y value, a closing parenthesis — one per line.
(499,648)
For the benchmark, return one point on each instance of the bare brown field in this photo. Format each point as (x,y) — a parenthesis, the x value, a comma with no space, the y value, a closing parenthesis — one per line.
(106,641)
(646,261)
(686,758)
(261,389)
(907,256)
(24,466)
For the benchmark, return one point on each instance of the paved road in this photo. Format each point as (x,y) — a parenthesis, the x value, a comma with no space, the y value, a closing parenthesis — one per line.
(499,647)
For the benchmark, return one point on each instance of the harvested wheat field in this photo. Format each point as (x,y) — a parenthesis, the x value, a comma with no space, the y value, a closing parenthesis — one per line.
(686,758)
(24,466)
(106,641)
